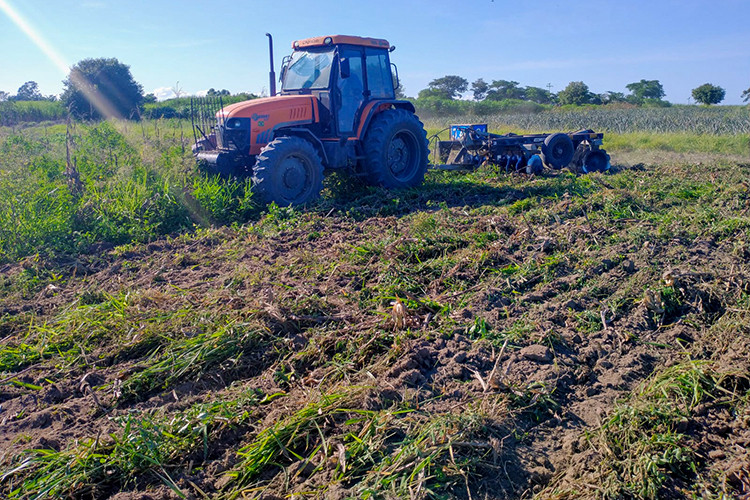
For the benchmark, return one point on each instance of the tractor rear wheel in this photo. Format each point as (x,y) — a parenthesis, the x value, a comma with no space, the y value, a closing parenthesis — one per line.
(288,171)
(396,150)
(557,150)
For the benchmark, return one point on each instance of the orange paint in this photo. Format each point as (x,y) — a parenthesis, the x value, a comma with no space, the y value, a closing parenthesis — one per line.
(319,41)
(271,112)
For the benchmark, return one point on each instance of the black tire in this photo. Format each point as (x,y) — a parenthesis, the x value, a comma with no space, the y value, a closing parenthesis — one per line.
(595,160)
(396,150)
(288,171)
(557,150)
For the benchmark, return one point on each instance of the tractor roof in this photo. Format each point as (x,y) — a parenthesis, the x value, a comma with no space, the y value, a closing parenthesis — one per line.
(322,41)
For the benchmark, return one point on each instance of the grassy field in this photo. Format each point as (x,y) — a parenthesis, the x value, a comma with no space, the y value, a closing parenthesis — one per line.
(484,336)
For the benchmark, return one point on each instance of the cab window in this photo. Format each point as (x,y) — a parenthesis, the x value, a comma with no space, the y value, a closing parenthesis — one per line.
(379,81)
(308,70)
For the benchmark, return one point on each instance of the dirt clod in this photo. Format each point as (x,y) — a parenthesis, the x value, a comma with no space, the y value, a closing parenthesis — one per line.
(536,352)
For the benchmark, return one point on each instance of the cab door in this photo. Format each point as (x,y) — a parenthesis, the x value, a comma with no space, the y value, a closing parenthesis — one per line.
(350,89)
(379,77)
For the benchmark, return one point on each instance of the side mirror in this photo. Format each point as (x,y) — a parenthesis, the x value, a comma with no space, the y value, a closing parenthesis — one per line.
(344,69)
(394,77)
(284,67)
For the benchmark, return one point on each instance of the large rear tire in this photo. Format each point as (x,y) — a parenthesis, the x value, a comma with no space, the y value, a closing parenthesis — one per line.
(288,171)
(396,150)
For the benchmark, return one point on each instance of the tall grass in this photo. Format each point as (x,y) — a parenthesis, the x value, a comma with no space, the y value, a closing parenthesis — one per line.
(15,112)
(122,199)
(225,200)
(139,181)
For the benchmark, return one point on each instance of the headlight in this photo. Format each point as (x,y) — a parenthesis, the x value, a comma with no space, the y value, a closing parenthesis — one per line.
(234,123)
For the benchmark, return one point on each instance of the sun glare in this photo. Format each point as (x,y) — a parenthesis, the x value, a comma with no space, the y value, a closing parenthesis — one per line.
(35,37)
(101,104)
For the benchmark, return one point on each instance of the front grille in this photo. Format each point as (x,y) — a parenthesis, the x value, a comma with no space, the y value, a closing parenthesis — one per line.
(220,137)
(237,139)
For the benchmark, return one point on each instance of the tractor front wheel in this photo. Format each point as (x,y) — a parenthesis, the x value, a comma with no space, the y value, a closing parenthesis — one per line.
(288,171)
(396,150)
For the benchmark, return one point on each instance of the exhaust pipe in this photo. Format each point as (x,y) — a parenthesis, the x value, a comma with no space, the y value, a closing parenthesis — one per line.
(272,74)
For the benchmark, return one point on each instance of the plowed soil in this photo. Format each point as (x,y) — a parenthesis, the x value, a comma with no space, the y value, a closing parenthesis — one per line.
(532,305)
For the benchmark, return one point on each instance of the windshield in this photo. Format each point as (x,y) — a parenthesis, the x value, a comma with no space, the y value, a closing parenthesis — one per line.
(308,70)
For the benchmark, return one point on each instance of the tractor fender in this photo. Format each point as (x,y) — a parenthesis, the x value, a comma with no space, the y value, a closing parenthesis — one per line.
(305,134)
(374,107)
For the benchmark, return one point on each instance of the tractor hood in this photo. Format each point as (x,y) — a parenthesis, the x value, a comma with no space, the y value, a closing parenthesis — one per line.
(264,117)
(294,106)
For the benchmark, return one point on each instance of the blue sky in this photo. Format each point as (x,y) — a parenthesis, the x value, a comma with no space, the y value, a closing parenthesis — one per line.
(221,44)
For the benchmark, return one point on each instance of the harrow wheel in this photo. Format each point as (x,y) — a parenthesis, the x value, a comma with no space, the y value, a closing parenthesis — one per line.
(557,150)
(596,160)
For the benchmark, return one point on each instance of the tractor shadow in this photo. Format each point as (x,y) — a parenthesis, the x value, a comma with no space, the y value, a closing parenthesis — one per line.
(350,196)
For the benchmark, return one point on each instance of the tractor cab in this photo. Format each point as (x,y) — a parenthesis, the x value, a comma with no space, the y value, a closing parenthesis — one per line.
(336,109)
(343,73)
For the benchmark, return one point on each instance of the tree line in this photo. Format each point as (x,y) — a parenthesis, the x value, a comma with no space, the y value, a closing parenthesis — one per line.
(29,91)
(99,87)
(644,92)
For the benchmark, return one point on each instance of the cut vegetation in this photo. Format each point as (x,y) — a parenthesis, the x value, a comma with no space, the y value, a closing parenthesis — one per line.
(483,336)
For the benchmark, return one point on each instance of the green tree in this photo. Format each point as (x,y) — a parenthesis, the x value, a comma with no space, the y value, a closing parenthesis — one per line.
(400,92)
(479,88)
(431,93)
(149,98)
(538,95)
(708,94)
(4,96)
(609,97)
(504,89)
(102,87)
(214,92)
(29,91)
(576,93)
(646,89)
(746,95)
(447,87)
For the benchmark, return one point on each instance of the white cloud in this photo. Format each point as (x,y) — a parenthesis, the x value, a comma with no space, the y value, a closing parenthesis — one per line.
(163,93)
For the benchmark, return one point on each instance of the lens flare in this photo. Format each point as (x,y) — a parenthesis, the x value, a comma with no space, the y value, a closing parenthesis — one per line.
(81,83)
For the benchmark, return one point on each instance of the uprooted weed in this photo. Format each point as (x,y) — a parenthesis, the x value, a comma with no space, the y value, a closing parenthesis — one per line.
(146,447)
(397,450)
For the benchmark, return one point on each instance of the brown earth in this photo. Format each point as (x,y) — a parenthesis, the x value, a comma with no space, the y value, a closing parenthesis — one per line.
(540,392)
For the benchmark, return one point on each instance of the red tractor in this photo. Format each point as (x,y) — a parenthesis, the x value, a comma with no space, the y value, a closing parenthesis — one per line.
(336,109)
